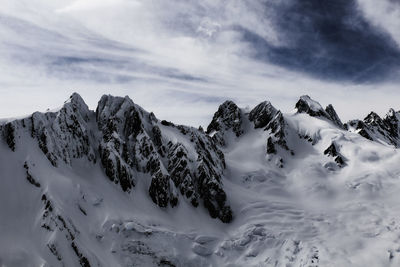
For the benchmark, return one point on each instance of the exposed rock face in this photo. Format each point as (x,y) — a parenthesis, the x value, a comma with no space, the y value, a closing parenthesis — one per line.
(54,222)
(62,136)
(392,119)
(185,163)
(29,176)
(332,151)
(227,118)
(262,114)
(314,109)
(120,124)
(133,141)
(333,115)
(157,139)
(199,175)
(230,119)
(212,193)
(160,190)
(278,132)
(309,106)
(9,135)
(278,138)
(180,173)
(374,128)
(270,146)
(374,120)
(360,127)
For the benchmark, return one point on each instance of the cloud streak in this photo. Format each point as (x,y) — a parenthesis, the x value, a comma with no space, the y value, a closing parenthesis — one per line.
(181,58)
(329,40)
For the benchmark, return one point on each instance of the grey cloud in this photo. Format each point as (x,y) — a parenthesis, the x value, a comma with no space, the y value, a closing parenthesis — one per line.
(190,55)
(326,39)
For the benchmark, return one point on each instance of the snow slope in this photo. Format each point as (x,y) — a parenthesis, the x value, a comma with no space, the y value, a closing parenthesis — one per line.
(304,189)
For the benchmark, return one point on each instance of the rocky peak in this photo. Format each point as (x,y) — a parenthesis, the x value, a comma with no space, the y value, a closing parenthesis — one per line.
(118,109)
(361,128)
(334,116)
(120,122)
(77,104)
(309,106)
(130,141)
(227,118)
(374,128)
(314,109)
(392,119)
(278,136)
(135,141)
(62,135)
(65,134)
(391,113)
(373,119)
(262,114)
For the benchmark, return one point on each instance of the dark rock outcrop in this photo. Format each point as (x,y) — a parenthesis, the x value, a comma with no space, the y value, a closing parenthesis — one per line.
(277,127)
(334,117)
(119,123)
(133,141)
(160,190)
(375,128)
(62,135)
(178,167)
(332,151)
(211,191)
(310,107)
(129,141)
(29,176)
(262,114)
(227,118)
(9,135)
(270,146)
(392,120)
(314,109)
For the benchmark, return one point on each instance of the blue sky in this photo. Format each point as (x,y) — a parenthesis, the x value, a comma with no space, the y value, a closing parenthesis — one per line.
(182,58)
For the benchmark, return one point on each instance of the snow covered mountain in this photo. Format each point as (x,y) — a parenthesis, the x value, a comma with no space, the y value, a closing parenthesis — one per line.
(119,187)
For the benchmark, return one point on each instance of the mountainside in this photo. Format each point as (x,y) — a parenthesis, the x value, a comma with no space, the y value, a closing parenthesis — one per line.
(119,187)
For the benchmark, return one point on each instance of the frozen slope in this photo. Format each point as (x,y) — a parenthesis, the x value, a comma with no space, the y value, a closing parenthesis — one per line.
(308,214)
(294,205)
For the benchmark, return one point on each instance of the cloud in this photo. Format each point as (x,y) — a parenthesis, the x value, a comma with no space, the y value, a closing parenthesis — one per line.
(82,5)
(327,40)
(384,14)
(180,58)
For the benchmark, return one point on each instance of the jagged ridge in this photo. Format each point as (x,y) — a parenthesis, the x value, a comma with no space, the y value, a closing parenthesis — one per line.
(128,140)
(185,163)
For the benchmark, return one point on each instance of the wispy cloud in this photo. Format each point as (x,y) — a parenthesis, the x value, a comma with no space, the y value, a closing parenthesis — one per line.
(180,58)
(329,40)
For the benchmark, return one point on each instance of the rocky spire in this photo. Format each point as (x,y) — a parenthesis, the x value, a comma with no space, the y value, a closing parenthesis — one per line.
(262,114)
(375,128)
(227,118)
(333,116)
(314,109)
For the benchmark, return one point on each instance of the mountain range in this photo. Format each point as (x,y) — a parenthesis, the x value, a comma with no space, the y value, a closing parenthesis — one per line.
(117,186)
